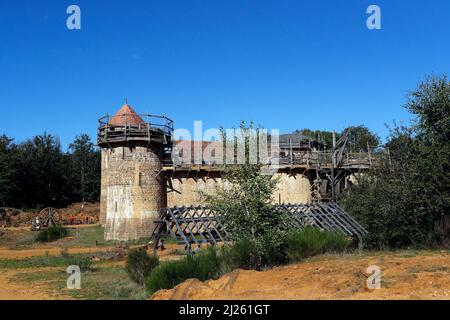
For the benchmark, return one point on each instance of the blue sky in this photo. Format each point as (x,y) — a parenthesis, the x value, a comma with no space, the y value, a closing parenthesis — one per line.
(283,64)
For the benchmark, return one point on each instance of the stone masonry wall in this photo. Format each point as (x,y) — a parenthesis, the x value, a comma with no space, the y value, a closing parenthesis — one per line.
(185,189)
(133,191)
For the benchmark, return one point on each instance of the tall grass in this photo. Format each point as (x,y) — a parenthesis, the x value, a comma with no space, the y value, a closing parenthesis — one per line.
(250,254)
(203,266)
(140,264)
(311,241)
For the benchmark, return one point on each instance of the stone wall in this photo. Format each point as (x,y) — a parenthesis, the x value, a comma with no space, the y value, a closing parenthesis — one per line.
(133,191)
(185,188)
(293,187)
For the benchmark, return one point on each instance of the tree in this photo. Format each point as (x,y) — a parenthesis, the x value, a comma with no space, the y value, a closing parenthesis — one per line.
(7,170)
(362,138)
(430,104)
(244,204)
(36,173)
(42,177)
(85,174)
(406,201)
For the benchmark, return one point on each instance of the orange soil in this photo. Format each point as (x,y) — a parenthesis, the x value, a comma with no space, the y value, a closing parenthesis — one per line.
(425,276)
(6,253)
(19,291)
(11,290)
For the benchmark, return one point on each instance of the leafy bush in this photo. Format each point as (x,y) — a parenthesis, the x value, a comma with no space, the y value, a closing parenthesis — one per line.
(84,262)
(52,234)
(203,266)
(311,241)
(140,264)
(242,254)
(251,254)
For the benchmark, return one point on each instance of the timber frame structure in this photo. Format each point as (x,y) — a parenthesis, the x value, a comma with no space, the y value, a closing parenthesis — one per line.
(197,226)
(327,170)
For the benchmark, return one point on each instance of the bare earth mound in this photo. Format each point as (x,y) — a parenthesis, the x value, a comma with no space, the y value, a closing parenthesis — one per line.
(404,276)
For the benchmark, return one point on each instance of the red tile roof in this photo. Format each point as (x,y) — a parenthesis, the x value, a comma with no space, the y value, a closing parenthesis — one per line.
(126,116)
(186,149)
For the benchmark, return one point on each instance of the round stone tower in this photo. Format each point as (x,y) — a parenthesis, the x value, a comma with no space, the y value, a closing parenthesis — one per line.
(133,187)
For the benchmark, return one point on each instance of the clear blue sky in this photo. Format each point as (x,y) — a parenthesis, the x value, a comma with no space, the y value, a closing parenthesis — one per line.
(283,64)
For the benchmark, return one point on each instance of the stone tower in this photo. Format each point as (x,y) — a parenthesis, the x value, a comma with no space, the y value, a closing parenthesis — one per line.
(133,187)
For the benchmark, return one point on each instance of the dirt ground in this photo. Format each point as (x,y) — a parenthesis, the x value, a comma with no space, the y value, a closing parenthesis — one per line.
(425,275)
(19,291)
(11,289)
(6,253)
(405,275)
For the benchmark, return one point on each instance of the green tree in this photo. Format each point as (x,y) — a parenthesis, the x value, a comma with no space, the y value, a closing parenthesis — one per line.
(41,178)
(430,104)
(361,138)
(406,201)
(85,173)
(244,202)
(7,170)
(36,173)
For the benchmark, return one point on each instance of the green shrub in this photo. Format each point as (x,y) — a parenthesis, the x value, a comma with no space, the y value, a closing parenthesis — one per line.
(336,242)
(311,241)
(84,262)
(140,264)
(251,254)
(203,266)
(242,254)
(51,234)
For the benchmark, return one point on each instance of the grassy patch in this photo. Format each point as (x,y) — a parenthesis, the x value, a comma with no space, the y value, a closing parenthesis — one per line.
(94,236)
(386,282)
(408,254)
(111,283)
(83,260)
(17,239)
(88,237)
(433,268)
(108,284)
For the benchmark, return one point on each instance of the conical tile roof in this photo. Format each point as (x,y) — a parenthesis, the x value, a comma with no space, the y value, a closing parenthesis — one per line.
(126,116)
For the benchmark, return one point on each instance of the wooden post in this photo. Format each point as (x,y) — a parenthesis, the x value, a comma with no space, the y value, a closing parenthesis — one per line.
(333,164)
